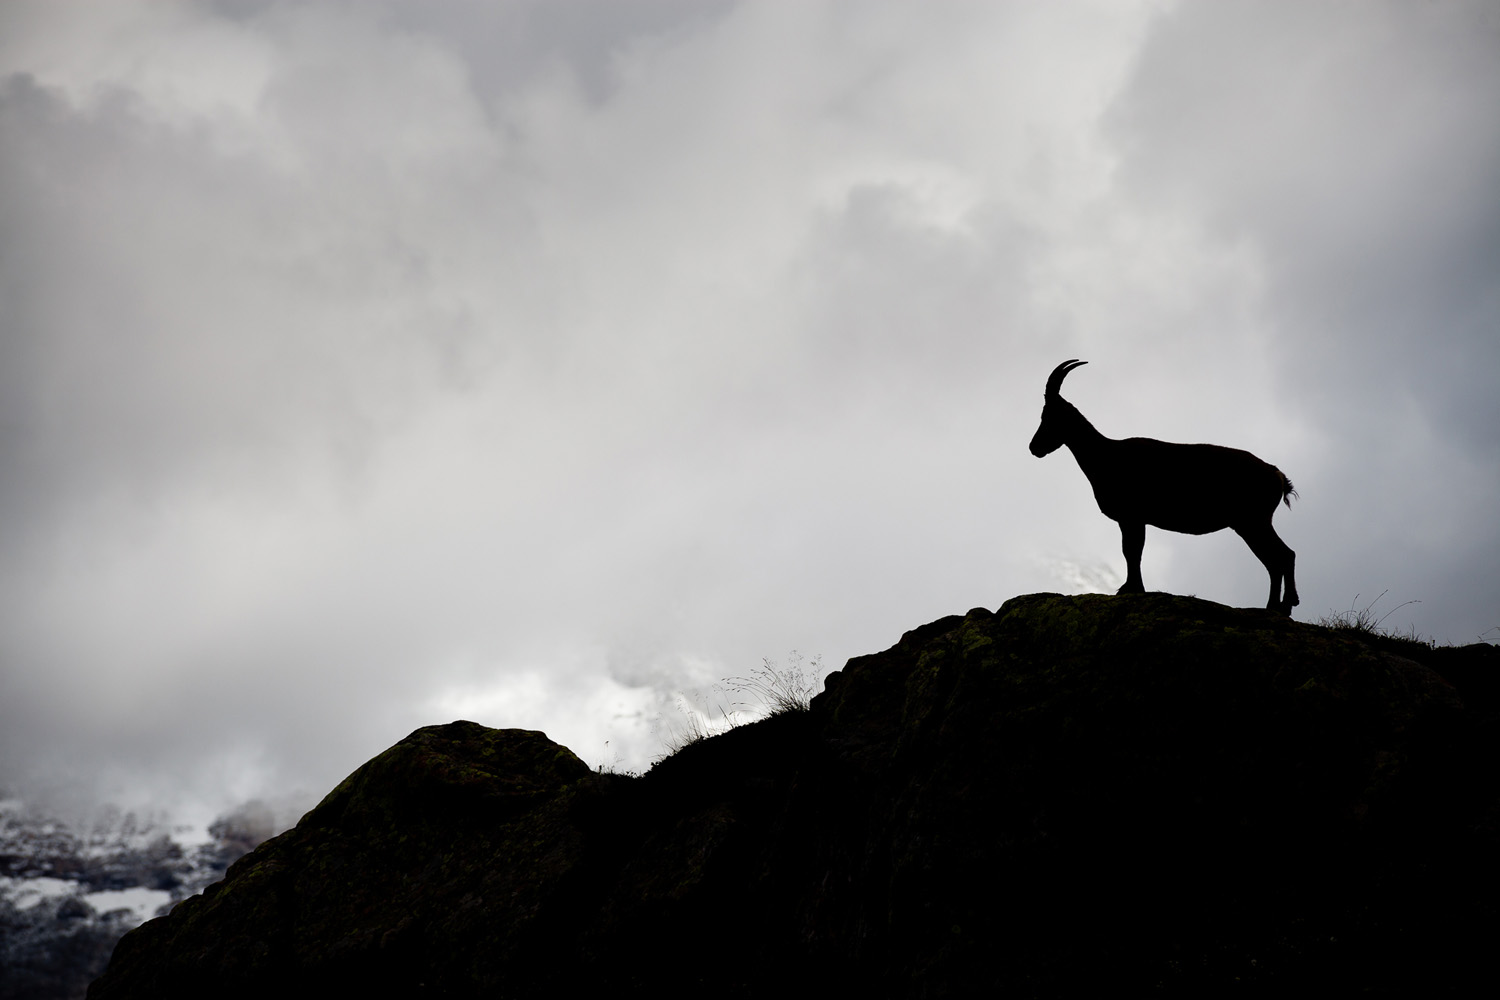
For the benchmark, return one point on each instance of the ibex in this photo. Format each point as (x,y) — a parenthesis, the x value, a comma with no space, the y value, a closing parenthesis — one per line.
(1192,488)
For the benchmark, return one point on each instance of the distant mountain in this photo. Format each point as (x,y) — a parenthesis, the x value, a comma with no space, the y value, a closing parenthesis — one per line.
(69,891)
(1069,795)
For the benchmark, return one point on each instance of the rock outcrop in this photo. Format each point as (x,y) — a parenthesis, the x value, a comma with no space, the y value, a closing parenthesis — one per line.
(1148,792)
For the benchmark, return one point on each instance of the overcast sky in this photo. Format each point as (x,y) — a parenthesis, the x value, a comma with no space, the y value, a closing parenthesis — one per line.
(371,365)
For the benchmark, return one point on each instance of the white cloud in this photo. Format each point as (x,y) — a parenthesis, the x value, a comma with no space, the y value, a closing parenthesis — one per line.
(365,364)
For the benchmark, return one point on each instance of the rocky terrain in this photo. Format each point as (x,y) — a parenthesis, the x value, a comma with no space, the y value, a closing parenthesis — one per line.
(1140,794)
(68,891)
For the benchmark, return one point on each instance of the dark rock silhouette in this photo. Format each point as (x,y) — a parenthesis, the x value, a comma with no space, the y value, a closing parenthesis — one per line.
(1145,792)
(1196,489)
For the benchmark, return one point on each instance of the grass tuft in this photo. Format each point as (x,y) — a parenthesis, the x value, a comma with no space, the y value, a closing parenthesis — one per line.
(768,691)
(779,690)
(1363,621)
(699,725)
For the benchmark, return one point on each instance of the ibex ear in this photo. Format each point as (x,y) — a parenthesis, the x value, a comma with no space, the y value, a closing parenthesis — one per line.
(1054,381)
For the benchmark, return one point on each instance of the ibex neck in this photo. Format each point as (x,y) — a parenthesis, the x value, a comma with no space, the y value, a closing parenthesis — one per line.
(1083,440)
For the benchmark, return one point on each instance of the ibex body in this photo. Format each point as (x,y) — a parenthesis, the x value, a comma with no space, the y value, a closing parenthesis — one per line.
(1192,488)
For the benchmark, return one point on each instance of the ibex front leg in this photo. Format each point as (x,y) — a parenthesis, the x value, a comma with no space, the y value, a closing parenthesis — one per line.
(1132,540)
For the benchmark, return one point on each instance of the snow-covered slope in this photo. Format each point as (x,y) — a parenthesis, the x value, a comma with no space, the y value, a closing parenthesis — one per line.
(68,891)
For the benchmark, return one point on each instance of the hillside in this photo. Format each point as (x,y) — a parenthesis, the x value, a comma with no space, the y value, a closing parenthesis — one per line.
(1143,791)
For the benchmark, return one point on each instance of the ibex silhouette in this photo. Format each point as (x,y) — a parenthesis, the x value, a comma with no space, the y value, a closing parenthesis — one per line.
(1192,488)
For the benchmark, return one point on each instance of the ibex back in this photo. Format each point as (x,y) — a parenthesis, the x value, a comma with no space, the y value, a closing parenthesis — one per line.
(1192,488)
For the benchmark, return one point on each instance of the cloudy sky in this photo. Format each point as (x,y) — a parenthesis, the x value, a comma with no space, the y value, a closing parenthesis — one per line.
(370,365)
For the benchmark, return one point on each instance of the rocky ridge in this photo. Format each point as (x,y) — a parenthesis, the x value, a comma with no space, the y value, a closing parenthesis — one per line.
(1147,792)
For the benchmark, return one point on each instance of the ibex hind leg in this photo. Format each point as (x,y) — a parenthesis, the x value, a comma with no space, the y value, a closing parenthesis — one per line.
(1279,561)
(1289,595)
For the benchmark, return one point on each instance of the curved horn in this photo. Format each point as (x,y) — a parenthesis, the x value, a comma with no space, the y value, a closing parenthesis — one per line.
(1054,381)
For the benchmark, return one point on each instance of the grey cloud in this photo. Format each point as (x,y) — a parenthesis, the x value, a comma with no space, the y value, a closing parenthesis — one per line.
(409,359)
(1359,153)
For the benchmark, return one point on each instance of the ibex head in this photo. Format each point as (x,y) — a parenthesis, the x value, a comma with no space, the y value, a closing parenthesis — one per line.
(1058,415)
